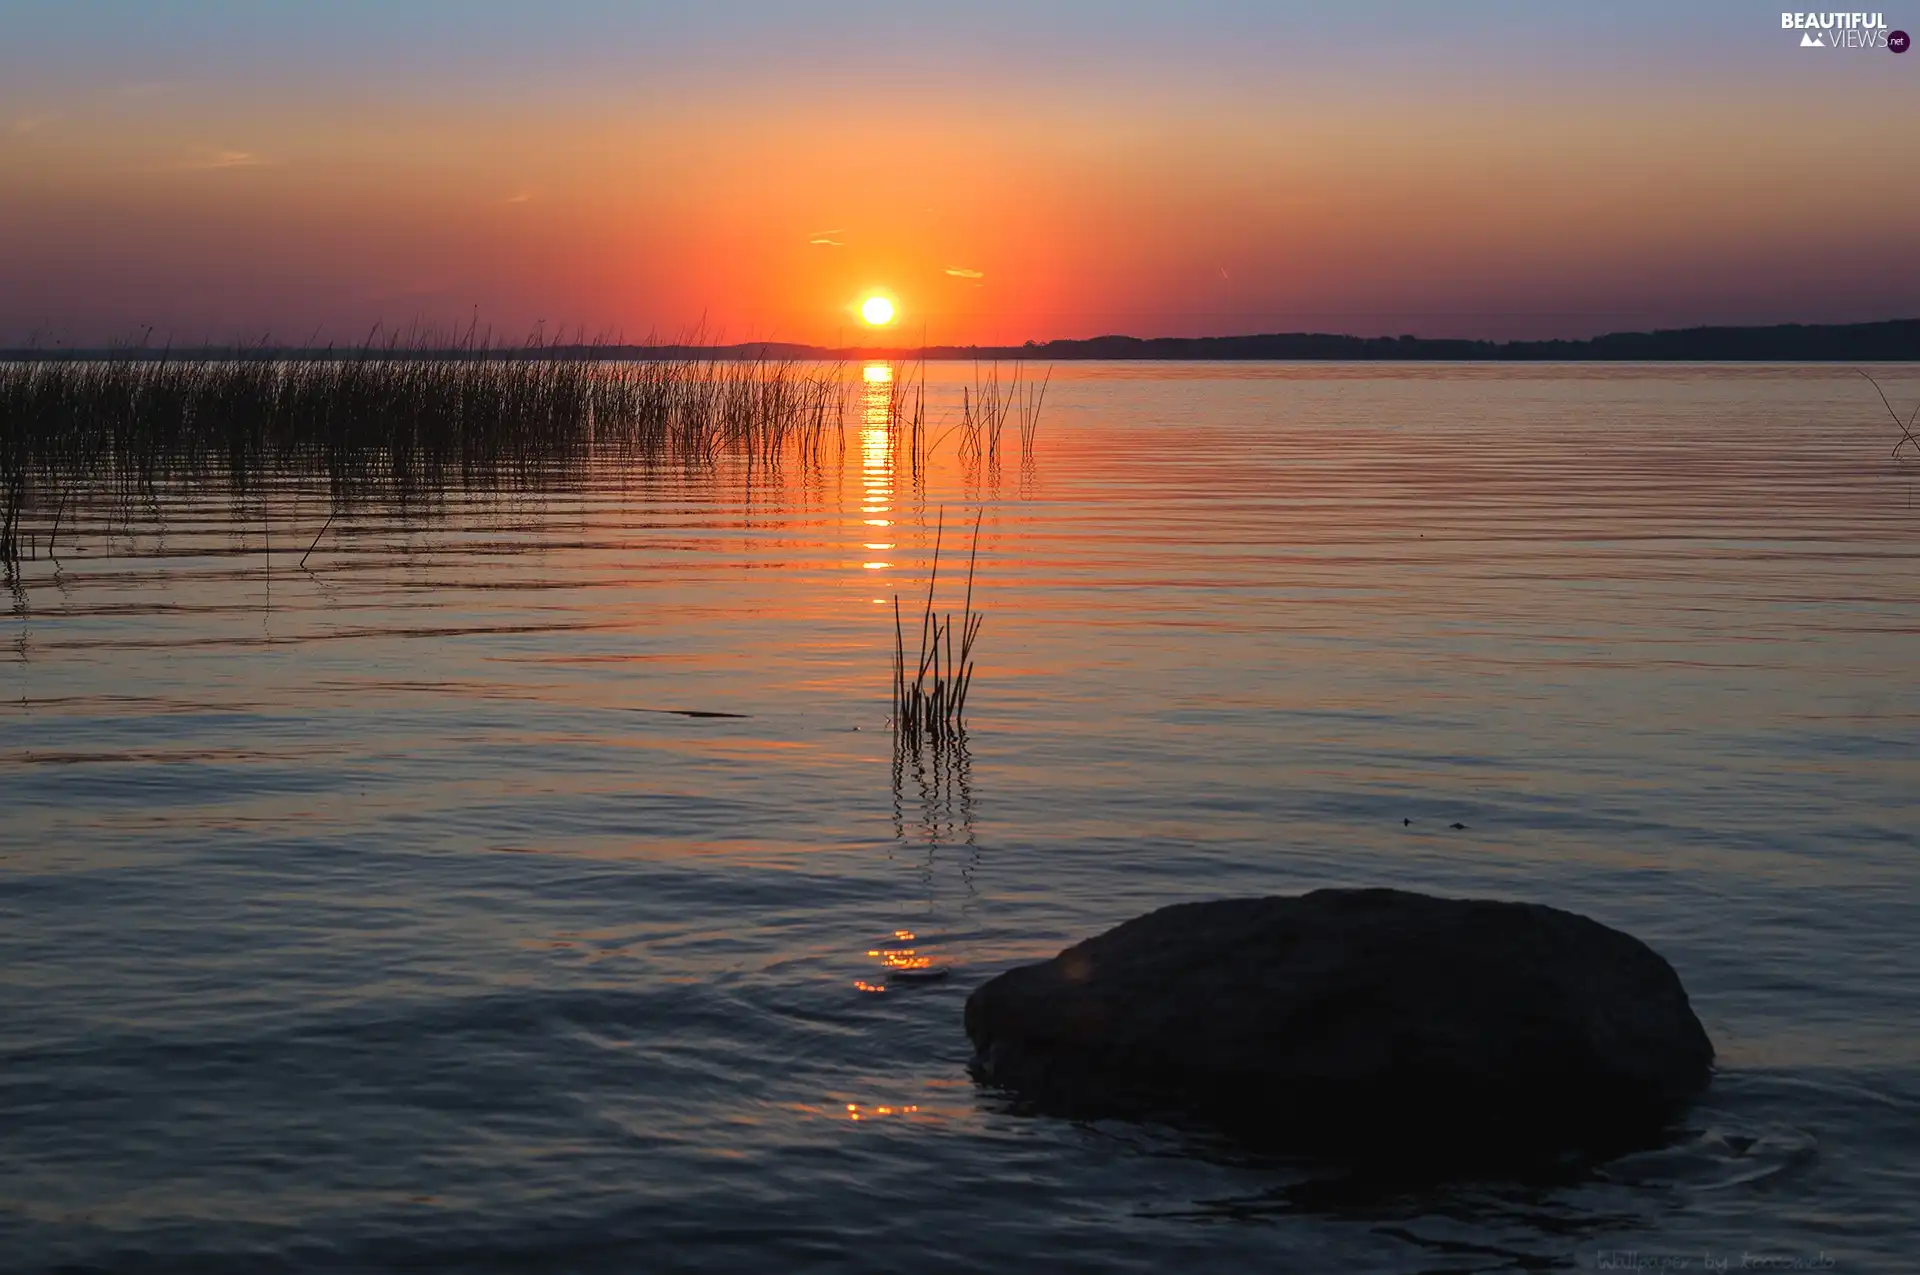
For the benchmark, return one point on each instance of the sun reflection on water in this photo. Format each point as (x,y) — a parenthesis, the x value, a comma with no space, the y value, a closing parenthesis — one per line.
(902,963)
(876,456)
(854,1111)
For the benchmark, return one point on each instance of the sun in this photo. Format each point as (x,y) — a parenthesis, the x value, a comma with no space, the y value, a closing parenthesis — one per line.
(877,310)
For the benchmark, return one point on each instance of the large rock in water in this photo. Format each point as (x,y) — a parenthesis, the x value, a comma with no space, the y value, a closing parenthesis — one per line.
(1359,1022)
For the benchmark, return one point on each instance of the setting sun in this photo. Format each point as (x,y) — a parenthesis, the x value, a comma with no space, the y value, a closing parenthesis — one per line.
(877,310)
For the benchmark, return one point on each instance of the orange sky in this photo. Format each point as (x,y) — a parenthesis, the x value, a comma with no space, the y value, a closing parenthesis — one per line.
(1494,200)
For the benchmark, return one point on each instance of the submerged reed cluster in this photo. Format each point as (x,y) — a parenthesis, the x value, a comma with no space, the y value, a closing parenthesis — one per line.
(389,422)
(931,707)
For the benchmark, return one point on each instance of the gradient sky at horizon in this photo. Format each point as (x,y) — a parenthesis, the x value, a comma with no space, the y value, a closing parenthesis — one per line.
(1004,171)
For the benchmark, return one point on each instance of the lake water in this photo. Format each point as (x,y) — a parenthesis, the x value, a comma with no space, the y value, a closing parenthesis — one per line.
(372,915)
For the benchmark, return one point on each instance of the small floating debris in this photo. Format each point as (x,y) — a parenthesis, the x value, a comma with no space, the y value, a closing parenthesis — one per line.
(689,712)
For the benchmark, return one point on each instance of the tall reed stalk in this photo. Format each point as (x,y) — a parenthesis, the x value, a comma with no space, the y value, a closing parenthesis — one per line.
(1907,438)
(1031,399)
(931,707)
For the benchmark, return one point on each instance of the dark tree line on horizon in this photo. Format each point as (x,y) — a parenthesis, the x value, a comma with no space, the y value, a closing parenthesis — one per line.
(1889,341)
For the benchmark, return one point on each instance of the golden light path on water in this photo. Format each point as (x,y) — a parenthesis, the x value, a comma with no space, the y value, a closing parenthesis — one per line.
(876,463)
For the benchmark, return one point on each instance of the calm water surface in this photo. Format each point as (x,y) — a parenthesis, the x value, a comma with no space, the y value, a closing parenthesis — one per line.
(373,916)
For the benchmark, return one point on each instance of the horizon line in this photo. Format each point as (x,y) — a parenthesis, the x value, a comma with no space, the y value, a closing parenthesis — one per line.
(1882,340)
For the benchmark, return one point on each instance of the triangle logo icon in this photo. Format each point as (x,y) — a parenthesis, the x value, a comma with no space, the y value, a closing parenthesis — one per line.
(1812,41)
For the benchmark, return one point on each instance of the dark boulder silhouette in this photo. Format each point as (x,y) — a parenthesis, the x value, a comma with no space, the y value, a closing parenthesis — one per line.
(1361,1023)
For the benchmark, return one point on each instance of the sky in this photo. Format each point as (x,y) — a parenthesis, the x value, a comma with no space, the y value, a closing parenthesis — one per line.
(1001,171)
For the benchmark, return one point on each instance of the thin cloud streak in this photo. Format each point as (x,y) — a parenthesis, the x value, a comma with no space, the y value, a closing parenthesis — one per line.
(209,160)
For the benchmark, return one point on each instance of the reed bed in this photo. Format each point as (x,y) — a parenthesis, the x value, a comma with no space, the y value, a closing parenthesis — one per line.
(387,422)
(931,707)
(986,405)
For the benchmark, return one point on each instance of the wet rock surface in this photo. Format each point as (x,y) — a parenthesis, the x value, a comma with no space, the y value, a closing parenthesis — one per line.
(1366,1023)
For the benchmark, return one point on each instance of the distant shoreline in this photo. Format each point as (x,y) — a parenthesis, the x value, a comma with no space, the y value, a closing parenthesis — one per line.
(1891,341)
